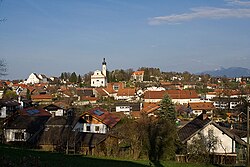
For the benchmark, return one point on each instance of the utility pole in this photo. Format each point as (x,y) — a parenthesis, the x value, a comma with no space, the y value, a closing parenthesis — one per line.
(248,158)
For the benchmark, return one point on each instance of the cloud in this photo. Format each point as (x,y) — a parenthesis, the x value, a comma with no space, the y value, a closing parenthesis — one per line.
(238,2)
(201,13)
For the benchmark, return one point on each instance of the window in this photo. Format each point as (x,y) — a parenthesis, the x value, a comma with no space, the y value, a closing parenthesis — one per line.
(97,128)
(88,117)
(19,136)
(88,128)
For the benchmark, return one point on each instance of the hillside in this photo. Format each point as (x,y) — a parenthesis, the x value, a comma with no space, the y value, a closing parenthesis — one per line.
(15,157)
(231,72)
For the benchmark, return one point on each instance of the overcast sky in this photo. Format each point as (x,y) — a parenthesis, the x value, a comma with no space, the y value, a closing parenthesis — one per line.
(53,36)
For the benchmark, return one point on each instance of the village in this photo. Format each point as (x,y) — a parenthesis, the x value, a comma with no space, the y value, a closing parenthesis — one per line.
(102,114)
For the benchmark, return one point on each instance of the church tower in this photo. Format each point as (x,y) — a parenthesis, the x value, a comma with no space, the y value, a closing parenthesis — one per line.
(104,68)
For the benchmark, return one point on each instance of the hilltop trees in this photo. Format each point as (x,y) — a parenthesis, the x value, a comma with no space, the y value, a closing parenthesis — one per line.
(71,77)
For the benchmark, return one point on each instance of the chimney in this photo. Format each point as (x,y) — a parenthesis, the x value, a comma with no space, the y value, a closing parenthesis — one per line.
(204,114)
(53,114)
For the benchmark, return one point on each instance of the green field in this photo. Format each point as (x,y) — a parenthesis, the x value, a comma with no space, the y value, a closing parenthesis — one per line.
(16,157)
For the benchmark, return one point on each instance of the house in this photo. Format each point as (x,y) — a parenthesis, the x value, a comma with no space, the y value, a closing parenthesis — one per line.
(42,98)
(85,100)
(125,94)
(99,78)
(150,109)
(8,107)
(56,133)
(96,143)
(171,85)
(137,76)
(183,96)
(55,110)
(33,79)
(126,107)
(225,102)
(177,96)
(101,92)
(25,125)
(198,107)
(228,143)
(96,120)
(153,96)
(115,86)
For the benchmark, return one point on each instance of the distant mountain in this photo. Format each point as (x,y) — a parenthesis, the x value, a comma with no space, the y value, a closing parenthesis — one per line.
(231,72)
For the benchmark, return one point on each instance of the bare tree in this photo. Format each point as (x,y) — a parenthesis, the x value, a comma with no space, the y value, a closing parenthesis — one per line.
(3,68)
(2,19)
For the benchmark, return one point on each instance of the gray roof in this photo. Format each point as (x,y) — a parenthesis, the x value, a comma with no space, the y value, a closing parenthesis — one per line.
(199,123)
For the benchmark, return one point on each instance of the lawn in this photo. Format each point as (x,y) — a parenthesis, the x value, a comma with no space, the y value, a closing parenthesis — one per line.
(15,157)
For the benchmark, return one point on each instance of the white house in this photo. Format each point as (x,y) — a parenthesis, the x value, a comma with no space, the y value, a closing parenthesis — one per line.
(33,79)
(137,76)
(227,142)
(96,120)
(99,78)
(55,110)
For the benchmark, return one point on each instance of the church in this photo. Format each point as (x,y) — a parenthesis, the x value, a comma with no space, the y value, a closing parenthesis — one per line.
(99,78)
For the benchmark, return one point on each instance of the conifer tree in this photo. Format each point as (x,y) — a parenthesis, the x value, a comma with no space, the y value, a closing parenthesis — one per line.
(73,77)
(167,109)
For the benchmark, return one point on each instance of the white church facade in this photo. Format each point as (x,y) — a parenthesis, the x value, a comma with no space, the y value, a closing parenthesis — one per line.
(99,78)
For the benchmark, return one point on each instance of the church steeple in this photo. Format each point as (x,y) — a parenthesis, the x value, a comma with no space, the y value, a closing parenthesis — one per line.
(104,62)
(104,67)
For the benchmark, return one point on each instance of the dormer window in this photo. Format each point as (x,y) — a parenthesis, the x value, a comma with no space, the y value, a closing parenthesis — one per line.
(88,117)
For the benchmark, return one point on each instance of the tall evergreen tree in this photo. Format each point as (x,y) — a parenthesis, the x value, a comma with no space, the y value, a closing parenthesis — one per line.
(62,77)
(73,77)
(79,79)
(167,109)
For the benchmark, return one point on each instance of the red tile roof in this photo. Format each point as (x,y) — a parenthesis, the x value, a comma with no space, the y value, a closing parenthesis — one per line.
(41,96)
(150,107)
(174,94)
(154,94)
(101,91)
(182,94)
(126,92)
(105,117)
(138,73)
(89,98)
(202,106)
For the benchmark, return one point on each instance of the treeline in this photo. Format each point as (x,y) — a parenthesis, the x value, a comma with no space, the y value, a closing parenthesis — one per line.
(71,77)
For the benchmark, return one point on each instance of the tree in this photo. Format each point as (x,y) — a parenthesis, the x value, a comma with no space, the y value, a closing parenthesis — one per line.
(201,146)
(73,77)
(167,109)
(9,94)
(28,94)
(3,67)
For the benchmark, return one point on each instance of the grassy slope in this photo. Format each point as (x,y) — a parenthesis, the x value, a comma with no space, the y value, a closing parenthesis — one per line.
(15,157)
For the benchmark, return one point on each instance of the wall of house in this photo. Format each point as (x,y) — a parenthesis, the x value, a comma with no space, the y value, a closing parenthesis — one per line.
(9,135)
(123,97)
(83,127)
(185,101)
(152,100)
(3,112)
(32,79)
(59,112)
(122,108)
(1,94)
(225,143)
